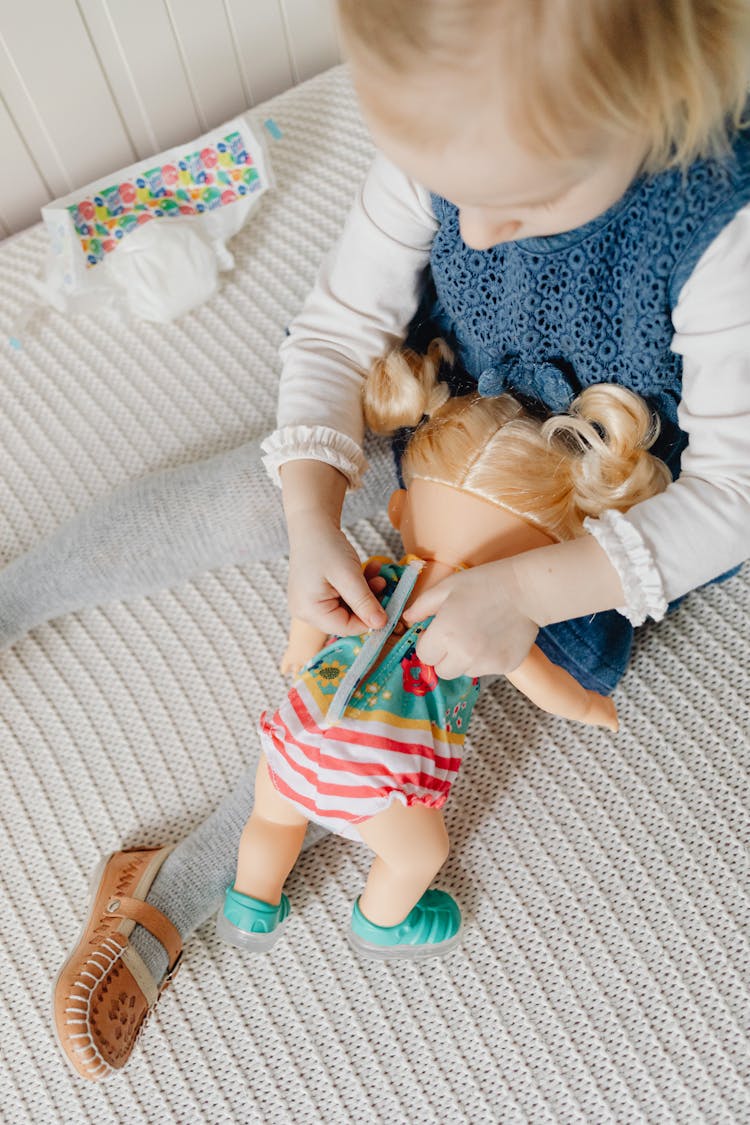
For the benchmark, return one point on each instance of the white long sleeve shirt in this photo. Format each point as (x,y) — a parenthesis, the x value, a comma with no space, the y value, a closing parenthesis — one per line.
(366,293)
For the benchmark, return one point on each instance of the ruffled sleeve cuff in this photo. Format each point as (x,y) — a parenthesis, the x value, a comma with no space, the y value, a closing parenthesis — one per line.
(636,569)
(314,443)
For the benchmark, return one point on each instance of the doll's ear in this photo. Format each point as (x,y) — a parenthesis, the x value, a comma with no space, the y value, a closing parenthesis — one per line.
(396,507)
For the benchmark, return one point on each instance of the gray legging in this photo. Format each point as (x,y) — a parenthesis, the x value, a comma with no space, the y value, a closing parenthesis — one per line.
(161,530)
(148,535)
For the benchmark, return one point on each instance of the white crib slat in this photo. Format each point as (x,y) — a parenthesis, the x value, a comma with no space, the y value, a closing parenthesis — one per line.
(205,41)
(312,37)
(114,63)
(261,44)
(145,37)
(22,189)
(56,93)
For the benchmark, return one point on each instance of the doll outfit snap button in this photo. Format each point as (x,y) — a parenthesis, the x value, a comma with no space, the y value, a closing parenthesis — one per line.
(431,928)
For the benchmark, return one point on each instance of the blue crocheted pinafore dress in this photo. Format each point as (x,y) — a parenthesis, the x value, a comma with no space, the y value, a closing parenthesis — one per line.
(544,318)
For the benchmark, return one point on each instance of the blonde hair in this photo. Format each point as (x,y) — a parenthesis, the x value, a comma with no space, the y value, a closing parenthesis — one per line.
(674,72)
(553,474)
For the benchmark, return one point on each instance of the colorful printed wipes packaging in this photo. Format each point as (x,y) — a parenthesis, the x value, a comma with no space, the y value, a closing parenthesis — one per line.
(150,240)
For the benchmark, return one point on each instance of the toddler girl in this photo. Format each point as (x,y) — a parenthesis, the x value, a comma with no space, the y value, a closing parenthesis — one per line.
(562,191)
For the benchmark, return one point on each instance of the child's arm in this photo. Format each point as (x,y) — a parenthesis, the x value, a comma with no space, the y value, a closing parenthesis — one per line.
(700,526)
(366,292)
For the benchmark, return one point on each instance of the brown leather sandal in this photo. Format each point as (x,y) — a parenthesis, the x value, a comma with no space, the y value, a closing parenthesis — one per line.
(104,993)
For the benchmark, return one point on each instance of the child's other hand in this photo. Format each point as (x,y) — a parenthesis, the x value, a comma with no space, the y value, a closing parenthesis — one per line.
(327,588)
(478,628)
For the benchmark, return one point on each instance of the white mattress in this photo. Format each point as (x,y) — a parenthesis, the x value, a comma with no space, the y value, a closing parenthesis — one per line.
(605,968)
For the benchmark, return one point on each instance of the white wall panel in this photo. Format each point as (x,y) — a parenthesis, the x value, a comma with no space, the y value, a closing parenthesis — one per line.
(122,83)
(146,40)
(262,47)
(311,30)
(91,85)
(205,41)
(22,189)
(53,86)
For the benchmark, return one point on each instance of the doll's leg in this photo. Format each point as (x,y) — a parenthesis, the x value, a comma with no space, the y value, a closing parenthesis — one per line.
(164,529)
(193,880)
(396,916)
(270,843)
(256,907)
(410,845)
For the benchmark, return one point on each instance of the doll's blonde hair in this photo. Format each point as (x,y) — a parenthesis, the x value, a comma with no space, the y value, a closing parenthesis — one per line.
(674,72)
(552,473)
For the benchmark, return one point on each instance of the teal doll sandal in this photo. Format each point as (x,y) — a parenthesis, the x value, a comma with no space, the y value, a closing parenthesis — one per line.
(249,923)
(430,929)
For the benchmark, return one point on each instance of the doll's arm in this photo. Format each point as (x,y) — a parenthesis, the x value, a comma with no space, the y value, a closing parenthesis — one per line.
(304,642)
(555,690)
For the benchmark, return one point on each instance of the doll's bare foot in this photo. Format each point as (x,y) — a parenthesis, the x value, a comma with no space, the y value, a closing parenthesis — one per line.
(601,711)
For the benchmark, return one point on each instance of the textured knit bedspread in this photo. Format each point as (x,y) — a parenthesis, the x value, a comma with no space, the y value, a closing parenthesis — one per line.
(604,972)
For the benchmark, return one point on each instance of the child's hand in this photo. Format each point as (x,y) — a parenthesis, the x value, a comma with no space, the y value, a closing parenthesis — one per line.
(486,618)
(327,588)
(478,627)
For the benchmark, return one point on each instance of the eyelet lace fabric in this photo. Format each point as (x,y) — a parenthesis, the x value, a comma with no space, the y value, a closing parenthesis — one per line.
(546,317)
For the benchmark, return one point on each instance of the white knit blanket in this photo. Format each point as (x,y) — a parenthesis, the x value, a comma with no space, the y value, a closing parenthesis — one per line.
(604,972)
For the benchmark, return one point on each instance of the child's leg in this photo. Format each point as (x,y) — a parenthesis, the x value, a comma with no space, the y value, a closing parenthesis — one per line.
(193,880)
(270,843)
(186,888)
(410,845)
(161,530)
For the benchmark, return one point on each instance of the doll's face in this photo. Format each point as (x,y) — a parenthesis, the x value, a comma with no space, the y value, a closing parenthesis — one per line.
(455,527)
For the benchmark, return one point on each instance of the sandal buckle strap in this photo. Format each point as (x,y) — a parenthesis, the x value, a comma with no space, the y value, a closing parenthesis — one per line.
(157,924)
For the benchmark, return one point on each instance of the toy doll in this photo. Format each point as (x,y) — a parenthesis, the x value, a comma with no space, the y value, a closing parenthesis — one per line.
(369,739)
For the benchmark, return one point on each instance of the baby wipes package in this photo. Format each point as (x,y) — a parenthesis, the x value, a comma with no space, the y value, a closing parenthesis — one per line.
(150,240)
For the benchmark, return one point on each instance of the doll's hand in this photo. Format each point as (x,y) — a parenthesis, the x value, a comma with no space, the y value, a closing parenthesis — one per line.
(305,642)
(477,627)
(326,586)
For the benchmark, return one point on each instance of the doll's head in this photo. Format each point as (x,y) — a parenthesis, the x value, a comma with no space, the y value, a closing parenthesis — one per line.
(534,116)
(552,474)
